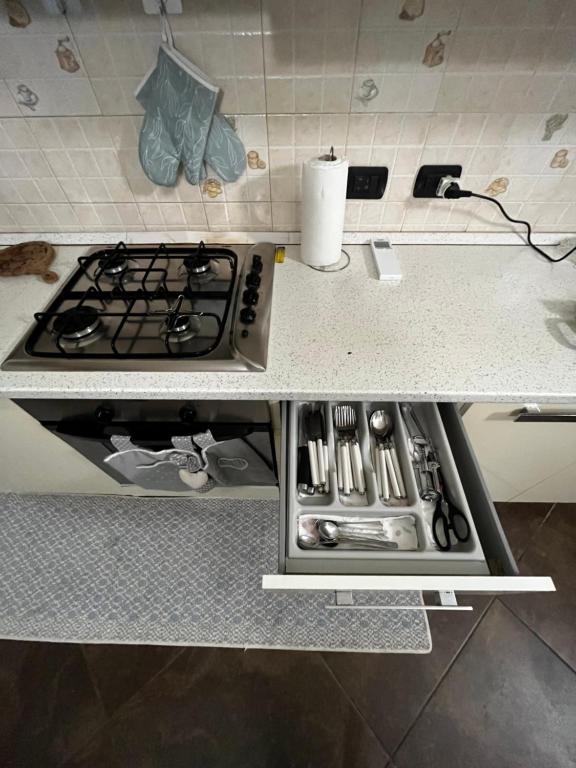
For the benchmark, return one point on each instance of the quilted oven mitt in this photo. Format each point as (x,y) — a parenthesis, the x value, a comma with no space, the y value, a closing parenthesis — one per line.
(181,126)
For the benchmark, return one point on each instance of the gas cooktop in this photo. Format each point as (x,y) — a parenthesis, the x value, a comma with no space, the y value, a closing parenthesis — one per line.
(157,308)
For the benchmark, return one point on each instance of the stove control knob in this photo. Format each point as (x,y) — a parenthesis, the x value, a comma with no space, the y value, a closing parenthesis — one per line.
(247,315)
(188,414)
(250,296)
(252,279)
(104,414)
(257,264)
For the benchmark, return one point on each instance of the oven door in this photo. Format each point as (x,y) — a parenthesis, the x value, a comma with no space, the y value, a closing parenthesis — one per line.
(155,445)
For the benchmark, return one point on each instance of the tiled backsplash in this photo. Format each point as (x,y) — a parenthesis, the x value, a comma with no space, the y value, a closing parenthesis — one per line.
(490,84)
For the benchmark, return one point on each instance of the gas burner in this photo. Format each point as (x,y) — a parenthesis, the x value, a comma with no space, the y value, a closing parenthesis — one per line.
(77,326)
(113,266)
(180,328)
(199,269)
(197,265)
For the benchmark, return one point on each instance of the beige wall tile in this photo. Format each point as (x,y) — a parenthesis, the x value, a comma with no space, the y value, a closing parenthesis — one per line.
(297,76)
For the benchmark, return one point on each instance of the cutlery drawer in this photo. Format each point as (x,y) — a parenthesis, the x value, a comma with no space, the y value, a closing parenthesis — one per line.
(484,563)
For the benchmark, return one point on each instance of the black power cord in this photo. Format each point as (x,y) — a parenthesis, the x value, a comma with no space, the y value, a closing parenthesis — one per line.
(453,192)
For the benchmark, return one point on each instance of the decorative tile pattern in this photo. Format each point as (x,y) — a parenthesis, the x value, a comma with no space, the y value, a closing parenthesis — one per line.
(489,85)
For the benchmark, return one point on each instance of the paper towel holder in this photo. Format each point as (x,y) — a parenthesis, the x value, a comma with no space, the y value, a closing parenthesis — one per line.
(341,264)
(330,157)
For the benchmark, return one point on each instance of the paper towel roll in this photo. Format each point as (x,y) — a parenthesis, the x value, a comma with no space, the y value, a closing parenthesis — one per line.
(323,203)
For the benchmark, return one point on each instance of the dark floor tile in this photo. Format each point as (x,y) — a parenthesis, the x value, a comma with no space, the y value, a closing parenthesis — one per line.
(99,752)
(552,553)
(216,708)
(507,701)
(521,522)
(48,706)
(390,689)
(119,671)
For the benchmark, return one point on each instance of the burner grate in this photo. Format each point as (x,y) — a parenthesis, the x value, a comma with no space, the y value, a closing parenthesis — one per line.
(130,288)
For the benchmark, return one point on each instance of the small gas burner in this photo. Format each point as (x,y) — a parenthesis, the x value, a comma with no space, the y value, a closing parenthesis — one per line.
(180,328)
(113,266)
(77,326)
(76,323)
(163,307)
(197,265)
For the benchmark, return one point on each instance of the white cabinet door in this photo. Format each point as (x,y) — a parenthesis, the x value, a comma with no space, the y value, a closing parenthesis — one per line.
(525,460)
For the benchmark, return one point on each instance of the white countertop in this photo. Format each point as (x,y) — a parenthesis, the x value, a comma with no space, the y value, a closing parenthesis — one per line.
(467,323)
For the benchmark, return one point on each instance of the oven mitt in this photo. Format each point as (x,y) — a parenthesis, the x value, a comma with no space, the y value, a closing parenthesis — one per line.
(180,125)
(166,470)
(233,462)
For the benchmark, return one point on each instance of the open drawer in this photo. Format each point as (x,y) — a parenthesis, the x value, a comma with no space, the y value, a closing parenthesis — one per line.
(484,564)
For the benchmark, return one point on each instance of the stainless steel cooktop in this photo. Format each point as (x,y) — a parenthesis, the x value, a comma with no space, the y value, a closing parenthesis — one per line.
(157,308)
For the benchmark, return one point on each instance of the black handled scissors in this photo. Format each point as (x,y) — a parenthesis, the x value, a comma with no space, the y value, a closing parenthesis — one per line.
(448,519)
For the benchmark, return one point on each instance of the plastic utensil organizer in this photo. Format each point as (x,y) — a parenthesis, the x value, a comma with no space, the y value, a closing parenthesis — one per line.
(463,558)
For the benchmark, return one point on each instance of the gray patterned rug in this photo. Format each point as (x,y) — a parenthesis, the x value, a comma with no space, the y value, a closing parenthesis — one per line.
(113,569)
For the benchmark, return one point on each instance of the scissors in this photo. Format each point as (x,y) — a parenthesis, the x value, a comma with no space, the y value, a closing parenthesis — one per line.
(448,518)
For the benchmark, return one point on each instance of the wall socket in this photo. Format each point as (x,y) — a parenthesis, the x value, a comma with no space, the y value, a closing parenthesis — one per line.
(430,176)
(366,182)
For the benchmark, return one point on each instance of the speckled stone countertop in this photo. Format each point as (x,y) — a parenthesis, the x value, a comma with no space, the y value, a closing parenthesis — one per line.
(467,323)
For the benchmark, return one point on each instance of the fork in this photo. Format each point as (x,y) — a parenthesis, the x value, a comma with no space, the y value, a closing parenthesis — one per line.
(349,448)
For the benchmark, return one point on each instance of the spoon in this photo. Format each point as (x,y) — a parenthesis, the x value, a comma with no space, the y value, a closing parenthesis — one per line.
(307,541)
(381,426)
(360,533)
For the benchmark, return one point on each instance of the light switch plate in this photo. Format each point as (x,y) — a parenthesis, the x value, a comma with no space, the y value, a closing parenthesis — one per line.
(153,6)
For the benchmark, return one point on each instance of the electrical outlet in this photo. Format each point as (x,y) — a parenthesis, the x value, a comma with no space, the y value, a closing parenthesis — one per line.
(430,176)
(366,182)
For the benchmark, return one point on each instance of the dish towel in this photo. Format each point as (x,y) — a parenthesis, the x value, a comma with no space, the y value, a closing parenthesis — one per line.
(181,125)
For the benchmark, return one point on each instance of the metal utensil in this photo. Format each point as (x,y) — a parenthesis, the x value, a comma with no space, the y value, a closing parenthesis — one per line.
(316,432)
(423,455)
(311,443)
(381,425)
(345,422)
(367,534)
(447,520)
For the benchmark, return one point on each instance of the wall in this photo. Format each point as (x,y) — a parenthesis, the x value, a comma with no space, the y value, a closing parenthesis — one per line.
(490,84)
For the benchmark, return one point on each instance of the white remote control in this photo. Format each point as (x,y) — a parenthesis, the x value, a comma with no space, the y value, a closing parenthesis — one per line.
(386,261)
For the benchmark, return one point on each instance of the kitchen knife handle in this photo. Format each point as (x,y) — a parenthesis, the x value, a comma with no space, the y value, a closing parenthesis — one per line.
(398,471)
(326,467)
(313,463)
(377,470)
(321,465)
(384,474)
(358,469)
(345,459)
(392,473)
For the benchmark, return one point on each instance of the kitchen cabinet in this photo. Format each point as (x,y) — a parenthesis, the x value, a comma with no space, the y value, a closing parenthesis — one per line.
(39,462)
(523,460)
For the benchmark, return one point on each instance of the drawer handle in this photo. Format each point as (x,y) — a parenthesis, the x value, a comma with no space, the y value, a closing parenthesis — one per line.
(344,601)
(544,417)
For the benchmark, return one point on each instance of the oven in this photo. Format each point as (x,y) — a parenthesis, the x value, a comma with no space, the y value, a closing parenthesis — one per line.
(167,445)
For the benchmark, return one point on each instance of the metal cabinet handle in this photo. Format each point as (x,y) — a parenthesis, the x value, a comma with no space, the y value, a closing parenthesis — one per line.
(532,413)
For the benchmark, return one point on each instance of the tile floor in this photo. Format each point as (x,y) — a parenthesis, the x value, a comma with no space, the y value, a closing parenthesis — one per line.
(498,689)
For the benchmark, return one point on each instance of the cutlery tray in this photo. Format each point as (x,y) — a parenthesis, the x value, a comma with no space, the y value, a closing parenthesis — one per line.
(348,557)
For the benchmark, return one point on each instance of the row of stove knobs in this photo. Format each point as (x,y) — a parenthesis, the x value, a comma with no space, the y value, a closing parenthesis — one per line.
(251,295)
